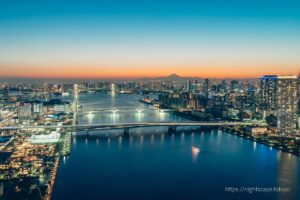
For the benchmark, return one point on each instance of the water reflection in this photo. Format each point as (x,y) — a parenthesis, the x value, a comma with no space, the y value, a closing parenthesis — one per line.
(172,137)
(108,142)
(142,140)
(287,173)
(65,160)
(113,90)
(254,145)
(166,156)
(139,116)
(120,140)
(90,118)
(130,141)
(195,152)
(219,137)
(182,138)
(162,139)
(152,139)
(192,137)
(162,115)
(184,155)
(121,111)
(202,135)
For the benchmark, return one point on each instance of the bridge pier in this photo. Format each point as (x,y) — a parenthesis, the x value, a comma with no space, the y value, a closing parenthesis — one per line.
(171,129)
(126,133)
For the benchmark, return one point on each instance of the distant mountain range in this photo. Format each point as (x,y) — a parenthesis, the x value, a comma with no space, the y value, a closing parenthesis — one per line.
(172,77)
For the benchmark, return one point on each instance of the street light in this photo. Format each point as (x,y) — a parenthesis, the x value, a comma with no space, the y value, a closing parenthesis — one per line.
(139,111)
(114,111)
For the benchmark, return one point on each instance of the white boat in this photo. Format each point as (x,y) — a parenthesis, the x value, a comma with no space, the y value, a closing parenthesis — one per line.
(195,149)
(65,94)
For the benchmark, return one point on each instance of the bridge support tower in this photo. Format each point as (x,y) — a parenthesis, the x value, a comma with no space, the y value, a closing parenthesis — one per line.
(126,133)
(171,129)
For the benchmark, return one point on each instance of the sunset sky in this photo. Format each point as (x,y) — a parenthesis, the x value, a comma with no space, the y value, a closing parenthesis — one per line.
(148,38)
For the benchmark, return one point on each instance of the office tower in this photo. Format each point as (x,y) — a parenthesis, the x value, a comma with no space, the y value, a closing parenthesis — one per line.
(298,94)
(268,91)
(24,112)
(6,93)
(286,104)
(223,85)
(206,86)
(188,85)
(234,86)
(196,88)
(250,94)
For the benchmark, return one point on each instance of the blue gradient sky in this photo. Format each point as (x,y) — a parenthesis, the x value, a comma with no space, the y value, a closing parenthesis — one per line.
(134,38)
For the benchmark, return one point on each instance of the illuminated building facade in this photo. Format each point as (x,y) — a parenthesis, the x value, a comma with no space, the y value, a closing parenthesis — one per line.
(286,104)
(268,89)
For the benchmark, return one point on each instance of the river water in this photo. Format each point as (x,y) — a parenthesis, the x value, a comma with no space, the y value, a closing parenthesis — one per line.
(153,164)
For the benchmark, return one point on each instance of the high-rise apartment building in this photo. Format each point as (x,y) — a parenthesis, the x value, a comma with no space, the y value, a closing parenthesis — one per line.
(234,86)
(286,100)
(189,85)
(206,87)
(268,89)
(223,85)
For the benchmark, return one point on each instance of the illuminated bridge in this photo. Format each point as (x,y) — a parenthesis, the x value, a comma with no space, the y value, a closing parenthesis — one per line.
(119,110)
(126,126)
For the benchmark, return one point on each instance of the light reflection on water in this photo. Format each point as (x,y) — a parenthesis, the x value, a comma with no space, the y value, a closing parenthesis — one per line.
(114,167)
(178,147)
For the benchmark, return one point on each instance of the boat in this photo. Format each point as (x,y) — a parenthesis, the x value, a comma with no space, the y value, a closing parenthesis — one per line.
(65,94)
(195,149)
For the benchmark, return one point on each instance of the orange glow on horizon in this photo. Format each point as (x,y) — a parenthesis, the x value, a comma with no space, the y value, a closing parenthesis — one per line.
(133,72)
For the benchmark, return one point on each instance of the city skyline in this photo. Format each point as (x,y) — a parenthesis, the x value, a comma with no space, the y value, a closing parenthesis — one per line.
(133,39)
(150,99)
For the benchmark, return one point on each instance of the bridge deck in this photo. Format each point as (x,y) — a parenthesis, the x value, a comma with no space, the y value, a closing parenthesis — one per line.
(136,125)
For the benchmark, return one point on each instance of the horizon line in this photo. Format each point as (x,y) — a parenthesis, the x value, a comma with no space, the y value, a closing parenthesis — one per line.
(126,77)
(139,77)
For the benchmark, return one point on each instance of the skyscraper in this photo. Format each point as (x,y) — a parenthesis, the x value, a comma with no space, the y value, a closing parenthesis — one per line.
(223,86)
(286,100)
(6,93)
(206,86)
(268,89)
(188,85)
(298,95)
(234,86)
